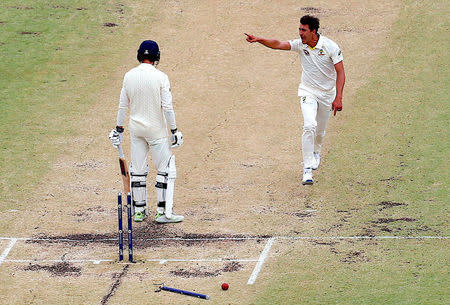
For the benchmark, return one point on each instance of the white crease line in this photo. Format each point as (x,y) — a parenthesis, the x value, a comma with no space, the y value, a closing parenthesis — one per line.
(261,260)
(5,253)
(362,237)
(98,261)
(218,260)
(94,261)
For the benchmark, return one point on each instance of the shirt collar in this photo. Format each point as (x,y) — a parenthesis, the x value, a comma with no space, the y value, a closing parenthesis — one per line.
(145,65)
(319,44)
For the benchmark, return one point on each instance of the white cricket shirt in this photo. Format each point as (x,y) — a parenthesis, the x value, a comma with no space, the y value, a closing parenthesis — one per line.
(318,72)
(146,91)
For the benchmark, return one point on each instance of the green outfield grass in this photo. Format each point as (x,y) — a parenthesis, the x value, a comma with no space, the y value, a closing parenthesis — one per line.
(387,173)
(52,59)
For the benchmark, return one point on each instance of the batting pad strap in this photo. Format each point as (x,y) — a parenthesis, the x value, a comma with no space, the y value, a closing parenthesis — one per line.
(161,204)
(139,203)
(139,175)
(138,184)
(161,185)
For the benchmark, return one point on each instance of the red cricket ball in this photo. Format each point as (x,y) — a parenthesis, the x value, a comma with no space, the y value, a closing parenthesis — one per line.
(225,286)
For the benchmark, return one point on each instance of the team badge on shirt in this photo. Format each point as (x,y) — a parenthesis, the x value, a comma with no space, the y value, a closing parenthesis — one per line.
(306,52)
(321,52)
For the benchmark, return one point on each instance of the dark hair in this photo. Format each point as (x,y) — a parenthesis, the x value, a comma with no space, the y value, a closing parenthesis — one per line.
(311,21)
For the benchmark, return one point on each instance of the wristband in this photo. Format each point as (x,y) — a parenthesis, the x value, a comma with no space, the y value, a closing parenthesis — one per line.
(119,129)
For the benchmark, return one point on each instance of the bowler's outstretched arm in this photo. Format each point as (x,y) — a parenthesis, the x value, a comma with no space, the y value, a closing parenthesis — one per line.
(270,43)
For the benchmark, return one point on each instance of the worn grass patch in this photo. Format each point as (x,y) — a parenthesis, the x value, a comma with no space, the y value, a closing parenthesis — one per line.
(358,272)
(387,174)
(52,59)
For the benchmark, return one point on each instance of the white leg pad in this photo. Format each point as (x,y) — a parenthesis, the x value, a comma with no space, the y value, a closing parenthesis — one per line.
(161,186)
(171,176)
(165,183)
(139,191)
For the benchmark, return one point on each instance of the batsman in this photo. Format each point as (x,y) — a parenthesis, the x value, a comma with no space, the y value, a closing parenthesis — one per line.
(146,92)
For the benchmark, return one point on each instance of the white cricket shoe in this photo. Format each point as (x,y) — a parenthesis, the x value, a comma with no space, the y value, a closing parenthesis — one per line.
(307,176)
(160,218)
(317,159)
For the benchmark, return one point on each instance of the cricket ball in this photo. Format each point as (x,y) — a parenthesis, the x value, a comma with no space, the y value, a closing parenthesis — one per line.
(225,286)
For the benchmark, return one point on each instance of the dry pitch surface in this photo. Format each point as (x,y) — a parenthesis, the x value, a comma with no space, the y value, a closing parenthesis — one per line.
(239,170)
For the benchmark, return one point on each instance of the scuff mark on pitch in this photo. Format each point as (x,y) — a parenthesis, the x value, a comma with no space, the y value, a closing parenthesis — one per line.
(58,269)
(115,285)
(110,24)
(355,257)
(204,272)
(390,204)
(312,10)
(150,235)
(389,220)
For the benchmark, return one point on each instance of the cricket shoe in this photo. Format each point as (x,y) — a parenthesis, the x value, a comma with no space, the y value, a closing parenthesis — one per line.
(307,176)
(139,216)
(317,161)
(161,218)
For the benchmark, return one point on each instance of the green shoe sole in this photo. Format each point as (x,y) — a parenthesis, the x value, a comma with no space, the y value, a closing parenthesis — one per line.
(139,217)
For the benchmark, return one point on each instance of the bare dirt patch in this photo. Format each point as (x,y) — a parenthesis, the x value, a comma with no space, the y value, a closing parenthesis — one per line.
(29,33)
(323,243)
(61,7)
(389,220)
(92,164)
(389,204)
(21,7)
(110,24)
(195,272)
(118,280)
(356,256)
(58,269)
(312,10)
(151,236)
(302,214)
(205,272)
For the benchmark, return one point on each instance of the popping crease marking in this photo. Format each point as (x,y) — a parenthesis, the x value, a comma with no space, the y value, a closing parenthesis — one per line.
(212,260)
(94,261)
(5,253)
(363,237)
(98,261)
(261,261)
(13,241)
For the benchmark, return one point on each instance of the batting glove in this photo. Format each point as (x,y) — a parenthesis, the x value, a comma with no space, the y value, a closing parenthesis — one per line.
(115,137)
(177,138)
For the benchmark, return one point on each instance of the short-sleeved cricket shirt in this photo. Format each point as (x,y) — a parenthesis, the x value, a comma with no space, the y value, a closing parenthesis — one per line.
(318,72)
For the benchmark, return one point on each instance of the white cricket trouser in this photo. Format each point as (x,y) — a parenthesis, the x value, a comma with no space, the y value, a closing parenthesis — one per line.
(160,150)
(316,110)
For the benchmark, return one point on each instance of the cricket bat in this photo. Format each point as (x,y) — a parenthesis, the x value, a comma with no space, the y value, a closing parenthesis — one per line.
(124,170)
